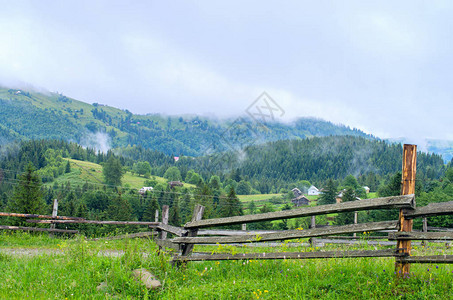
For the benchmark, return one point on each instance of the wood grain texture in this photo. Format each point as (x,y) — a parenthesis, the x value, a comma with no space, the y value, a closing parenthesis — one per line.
(290,234)
(421,236)
(432,209)
(405,201)
(38,229)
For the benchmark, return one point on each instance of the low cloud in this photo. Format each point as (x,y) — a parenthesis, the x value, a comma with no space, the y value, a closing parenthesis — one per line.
(100,141)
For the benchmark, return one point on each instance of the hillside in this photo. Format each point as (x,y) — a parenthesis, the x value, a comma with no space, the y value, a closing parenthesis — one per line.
(282,163)
(85,171)
(35,115)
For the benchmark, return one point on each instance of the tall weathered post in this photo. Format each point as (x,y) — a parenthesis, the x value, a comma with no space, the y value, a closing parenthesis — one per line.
(407,188)
(425,229)
(165,215)
(54,214)
(197,216)
(188,248)
(312,240)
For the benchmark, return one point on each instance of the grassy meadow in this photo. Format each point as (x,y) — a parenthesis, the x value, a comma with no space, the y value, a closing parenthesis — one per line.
(74,268)
(85,171)
(257,197)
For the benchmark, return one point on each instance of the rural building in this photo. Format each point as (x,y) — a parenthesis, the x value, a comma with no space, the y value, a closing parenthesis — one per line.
(313,191)
(175,183)
(339,197)
(300,200)
(296,192)
(145,189)
(367,189)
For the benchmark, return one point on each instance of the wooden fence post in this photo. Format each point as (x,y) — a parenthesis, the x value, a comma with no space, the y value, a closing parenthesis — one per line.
(244,226)
(425,229)
(197,216)
(407,188)
(162,234)
(165,214)
(312,226)
(54,214)
(156,216)
(355,221)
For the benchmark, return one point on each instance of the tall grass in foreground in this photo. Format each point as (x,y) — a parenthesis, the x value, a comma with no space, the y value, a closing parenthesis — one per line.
(76,267)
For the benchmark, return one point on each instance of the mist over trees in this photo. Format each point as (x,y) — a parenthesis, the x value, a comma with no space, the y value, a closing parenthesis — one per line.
(217,191)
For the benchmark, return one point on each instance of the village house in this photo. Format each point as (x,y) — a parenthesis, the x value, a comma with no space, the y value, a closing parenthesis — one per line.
(145,189)
(299,199)
(313,191)
(339,197)
(175,183)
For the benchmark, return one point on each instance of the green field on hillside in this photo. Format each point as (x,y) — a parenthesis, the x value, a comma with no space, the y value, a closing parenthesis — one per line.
(85,171)
(257,197)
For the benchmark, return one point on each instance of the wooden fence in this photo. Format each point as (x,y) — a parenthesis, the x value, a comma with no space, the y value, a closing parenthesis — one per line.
(190,234)
(196,233)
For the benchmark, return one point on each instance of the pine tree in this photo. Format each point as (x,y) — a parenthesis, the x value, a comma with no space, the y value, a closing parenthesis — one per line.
(120,209)
(150,211)
(206,199)
(251,207)
(27,196)
(329,193)
(175,214)
(113,171)
(82,212)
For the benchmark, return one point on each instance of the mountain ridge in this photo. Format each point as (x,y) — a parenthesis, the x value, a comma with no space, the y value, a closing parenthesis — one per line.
(33,115)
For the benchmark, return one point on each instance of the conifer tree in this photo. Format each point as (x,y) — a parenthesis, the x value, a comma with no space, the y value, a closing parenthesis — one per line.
(82,212)
(252,207)
(232,206)
(27,196)
(329,193)
(113,171)
(120,209)
(150,211)
(175,214)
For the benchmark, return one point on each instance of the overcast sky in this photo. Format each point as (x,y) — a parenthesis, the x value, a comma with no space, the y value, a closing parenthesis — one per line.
(382,66)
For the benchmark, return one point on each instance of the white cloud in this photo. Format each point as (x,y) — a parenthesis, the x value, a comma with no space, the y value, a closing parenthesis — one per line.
(368,65)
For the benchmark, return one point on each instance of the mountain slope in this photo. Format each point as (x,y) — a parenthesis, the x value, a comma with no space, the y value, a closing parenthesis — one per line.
(34,115)
(281,163)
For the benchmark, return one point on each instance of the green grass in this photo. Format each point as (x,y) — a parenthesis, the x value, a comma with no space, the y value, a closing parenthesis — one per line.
(83,171)
(371,195)
(257,197)
(81,267)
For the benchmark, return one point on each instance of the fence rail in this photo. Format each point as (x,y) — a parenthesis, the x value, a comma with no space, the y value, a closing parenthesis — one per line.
(22,228)
(432,209)
(5,214)
(290,234)
(405,201)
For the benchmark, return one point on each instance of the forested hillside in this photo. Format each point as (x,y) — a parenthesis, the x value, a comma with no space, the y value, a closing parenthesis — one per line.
(33,115)
(56,168)
(280,164)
